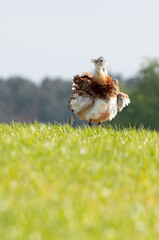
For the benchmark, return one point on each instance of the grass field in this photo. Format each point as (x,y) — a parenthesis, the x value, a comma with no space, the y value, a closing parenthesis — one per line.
(57,182)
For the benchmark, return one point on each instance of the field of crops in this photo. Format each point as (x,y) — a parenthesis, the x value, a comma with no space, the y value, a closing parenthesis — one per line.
(59,182)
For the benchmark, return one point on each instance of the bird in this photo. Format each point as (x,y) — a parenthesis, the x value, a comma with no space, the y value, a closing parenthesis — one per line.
(96,97)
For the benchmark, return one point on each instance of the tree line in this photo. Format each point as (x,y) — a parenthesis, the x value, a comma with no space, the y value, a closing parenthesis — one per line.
(22,100)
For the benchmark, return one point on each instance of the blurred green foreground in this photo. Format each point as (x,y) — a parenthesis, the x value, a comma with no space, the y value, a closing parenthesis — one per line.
(57,182)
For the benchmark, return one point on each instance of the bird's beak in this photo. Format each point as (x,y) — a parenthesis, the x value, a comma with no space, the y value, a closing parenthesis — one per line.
(93,60)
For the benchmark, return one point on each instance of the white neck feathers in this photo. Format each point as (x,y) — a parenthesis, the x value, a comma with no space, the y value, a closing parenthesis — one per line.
(101,72)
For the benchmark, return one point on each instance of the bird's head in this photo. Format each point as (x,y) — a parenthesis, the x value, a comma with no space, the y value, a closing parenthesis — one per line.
(100,65)
(99,62)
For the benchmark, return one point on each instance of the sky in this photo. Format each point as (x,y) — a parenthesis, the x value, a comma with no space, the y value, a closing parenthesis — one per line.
(48,38)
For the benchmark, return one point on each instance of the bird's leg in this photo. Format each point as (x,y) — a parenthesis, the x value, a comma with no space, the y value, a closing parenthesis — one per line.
(72,118)
(100,124)
(90,123)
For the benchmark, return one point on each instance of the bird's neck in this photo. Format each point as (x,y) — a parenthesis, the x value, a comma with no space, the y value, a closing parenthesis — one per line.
(101,72)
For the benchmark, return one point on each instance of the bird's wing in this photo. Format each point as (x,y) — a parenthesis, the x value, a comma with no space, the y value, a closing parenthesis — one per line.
(82,95)
(122,101)
(78,103)
(81,84)
(86,88)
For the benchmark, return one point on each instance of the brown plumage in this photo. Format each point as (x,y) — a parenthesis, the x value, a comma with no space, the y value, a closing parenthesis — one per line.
(82,84)
(103,88)
(86,84)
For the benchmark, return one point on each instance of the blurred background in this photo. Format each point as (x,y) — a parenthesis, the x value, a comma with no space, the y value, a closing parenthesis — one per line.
(44,43)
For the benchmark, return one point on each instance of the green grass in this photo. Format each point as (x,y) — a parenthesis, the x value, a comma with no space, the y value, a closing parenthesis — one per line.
(57,182)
